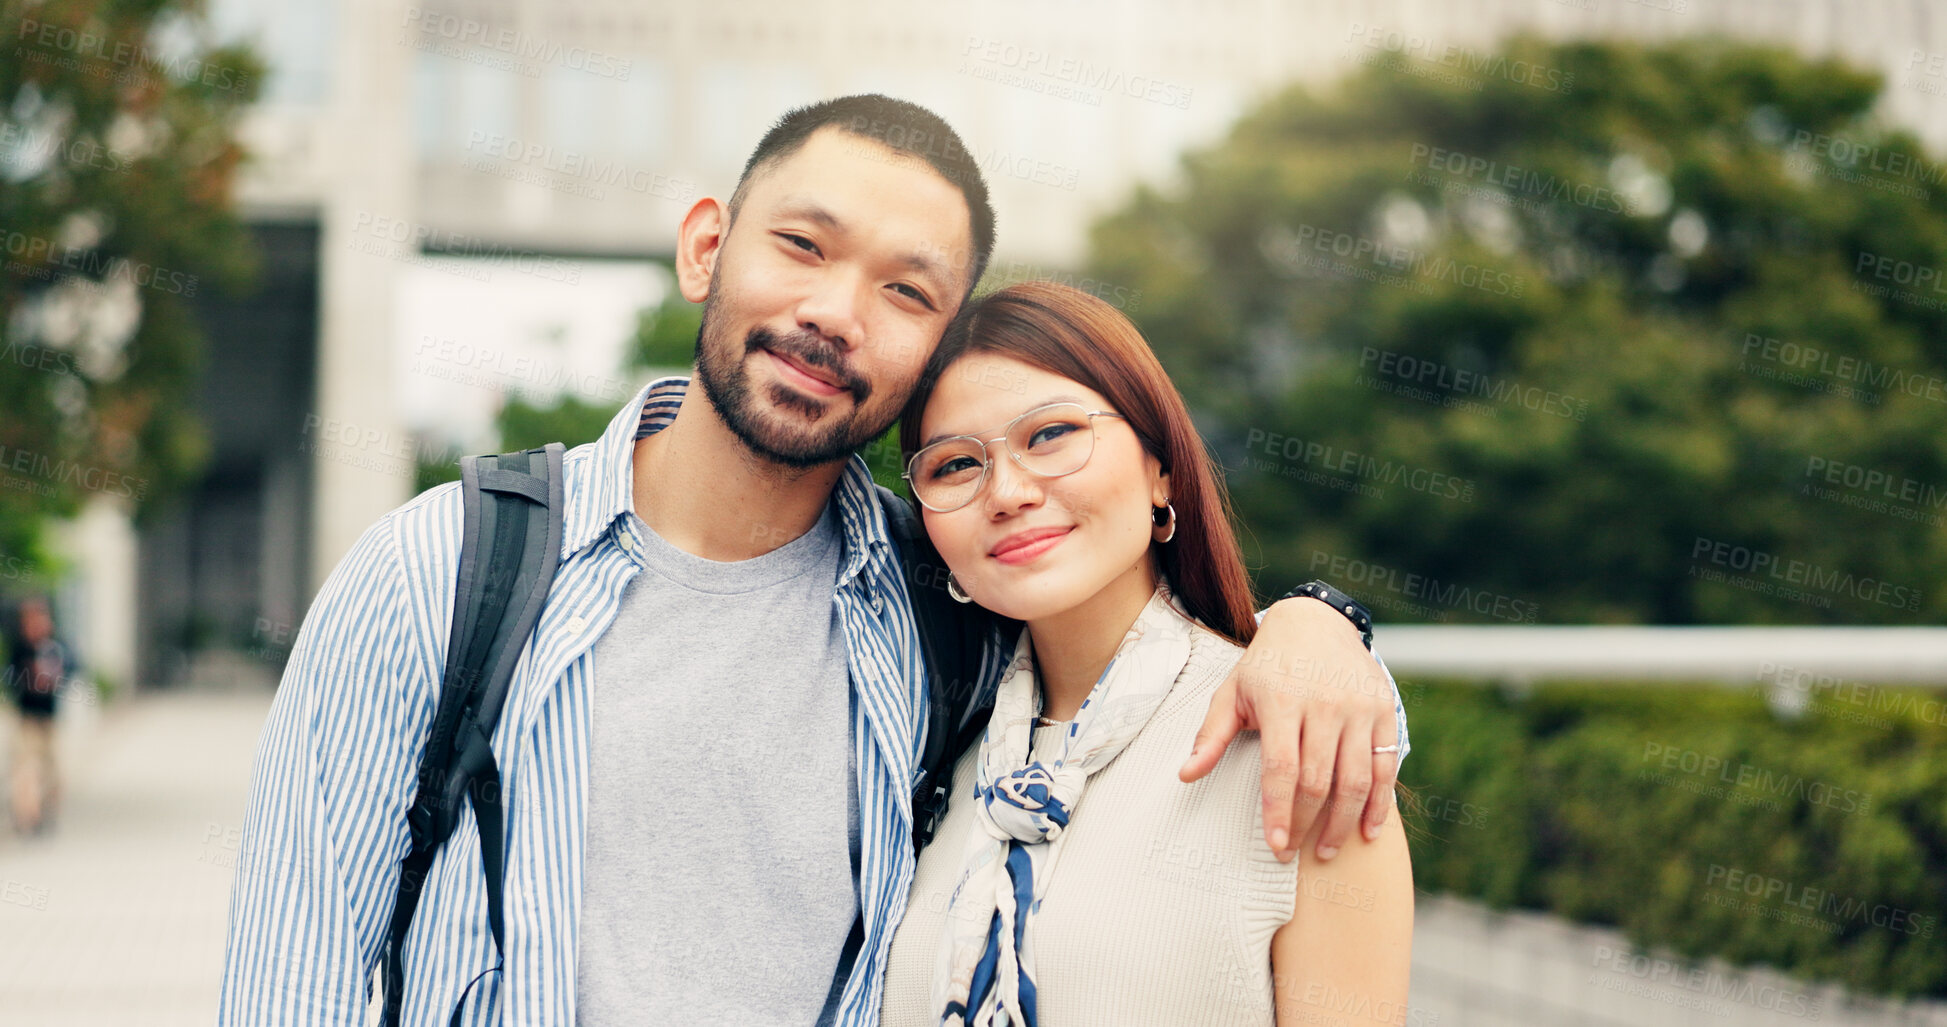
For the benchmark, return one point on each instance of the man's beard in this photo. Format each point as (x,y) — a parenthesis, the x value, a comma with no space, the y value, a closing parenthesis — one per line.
(720,369)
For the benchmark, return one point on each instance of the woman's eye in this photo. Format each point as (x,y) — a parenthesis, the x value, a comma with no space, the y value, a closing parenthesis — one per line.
(955,465)
(1050,433)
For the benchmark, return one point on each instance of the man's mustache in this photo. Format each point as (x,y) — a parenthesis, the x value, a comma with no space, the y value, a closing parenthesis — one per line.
(811,349)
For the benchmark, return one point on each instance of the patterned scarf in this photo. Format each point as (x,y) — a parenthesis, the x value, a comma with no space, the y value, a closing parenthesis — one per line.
(986,949)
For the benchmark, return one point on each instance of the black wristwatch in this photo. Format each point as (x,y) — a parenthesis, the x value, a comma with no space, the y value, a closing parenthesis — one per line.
(1354,611)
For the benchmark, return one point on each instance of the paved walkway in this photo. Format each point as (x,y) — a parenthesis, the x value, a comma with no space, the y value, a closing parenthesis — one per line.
(117,915)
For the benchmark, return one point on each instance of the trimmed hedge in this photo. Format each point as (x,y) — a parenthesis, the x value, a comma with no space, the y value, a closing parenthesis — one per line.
(1696,818)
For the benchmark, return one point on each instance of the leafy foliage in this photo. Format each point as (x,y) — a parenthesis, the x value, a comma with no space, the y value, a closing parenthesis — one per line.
(1592,352)
(117,158)
(1694,818)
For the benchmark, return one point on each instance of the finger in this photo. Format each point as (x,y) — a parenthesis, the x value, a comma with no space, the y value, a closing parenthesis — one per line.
(1385,774)
(1278,763)
(1351,784)
(1220,725)
(1318,750)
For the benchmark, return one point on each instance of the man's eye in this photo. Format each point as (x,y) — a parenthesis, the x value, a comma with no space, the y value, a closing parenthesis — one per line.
(910,292)
(800,242)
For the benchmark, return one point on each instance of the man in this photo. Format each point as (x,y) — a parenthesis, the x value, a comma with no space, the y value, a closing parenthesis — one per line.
(708,749)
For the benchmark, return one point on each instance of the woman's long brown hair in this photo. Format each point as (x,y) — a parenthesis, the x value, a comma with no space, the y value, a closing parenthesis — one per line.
(1066,331)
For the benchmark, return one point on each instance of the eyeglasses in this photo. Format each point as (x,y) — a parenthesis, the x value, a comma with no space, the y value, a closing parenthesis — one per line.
(1049,441)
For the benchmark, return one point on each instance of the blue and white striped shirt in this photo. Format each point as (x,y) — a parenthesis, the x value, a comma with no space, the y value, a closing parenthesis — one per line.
(334,774)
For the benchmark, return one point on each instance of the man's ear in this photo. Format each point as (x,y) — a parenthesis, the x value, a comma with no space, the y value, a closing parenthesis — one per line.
(698,243)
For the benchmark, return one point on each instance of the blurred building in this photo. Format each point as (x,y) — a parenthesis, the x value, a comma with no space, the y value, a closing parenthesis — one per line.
(525,135)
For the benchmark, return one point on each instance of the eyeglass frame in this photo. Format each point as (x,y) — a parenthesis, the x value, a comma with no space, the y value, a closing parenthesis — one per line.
(987,464)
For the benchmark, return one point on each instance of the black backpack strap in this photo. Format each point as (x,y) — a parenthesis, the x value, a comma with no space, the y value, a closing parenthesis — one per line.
(951,636)
(509,548)
(954,637)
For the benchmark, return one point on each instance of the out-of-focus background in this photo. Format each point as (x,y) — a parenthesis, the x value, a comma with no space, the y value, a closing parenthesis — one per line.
(1600,346)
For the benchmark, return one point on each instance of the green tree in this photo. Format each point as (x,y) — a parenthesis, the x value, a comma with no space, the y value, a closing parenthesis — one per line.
(1584,332)
(117,157)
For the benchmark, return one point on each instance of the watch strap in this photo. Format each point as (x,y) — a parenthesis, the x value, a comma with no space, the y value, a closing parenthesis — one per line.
(1353,610)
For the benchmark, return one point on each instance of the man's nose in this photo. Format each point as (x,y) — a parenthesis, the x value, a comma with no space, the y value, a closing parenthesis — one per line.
(832,310)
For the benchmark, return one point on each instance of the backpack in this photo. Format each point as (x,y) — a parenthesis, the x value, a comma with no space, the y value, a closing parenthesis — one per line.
(510,547)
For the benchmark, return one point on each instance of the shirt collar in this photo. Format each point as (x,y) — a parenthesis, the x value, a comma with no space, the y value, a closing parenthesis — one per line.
(608,487)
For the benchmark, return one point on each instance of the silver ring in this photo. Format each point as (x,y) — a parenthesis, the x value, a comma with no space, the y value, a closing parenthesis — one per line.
(1385,748)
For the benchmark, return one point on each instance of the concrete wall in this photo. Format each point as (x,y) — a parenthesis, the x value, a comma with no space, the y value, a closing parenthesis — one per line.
(1474,967)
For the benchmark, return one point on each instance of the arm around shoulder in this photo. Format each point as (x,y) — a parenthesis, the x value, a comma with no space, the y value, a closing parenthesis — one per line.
(1322,704)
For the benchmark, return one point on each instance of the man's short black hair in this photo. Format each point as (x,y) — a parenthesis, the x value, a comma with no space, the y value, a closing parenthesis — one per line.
(902,126)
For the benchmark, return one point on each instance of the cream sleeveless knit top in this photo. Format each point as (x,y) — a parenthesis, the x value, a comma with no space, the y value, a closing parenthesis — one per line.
(1162,906)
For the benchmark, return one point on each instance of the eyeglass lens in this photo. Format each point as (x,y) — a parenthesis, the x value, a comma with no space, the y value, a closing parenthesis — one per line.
(1049,441)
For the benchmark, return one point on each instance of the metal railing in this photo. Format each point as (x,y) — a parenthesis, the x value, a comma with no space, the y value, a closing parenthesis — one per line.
(1672,655)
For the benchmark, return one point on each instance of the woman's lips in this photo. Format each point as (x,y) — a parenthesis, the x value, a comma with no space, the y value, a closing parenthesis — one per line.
(1026,545)
(802,376)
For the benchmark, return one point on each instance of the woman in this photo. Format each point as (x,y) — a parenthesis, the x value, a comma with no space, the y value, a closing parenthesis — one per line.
(1075,880)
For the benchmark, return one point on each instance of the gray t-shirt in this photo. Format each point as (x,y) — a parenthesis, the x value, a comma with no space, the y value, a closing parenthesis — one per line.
(718,884)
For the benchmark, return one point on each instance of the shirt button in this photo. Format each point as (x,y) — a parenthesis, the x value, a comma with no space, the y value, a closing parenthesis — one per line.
(626,541)
(575,625)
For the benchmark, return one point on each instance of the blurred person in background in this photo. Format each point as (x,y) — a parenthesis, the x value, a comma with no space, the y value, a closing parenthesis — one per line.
(37,664)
